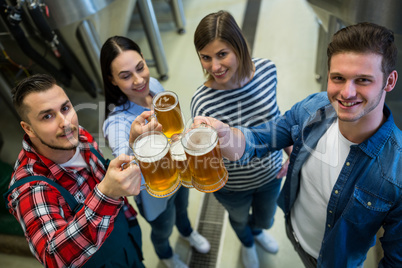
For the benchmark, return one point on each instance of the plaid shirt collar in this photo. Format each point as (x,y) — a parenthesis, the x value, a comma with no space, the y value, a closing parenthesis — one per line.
(57,172)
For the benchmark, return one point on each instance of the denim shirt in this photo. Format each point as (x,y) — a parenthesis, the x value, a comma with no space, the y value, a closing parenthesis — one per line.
(367,193)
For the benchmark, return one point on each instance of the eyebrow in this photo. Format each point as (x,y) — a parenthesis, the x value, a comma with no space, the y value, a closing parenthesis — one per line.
(356,76)
(49,110)
(136,66)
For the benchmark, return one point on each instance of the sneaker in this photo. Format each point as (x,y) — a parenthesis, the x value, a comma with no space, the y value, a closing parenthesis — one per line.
(199,242)
(267,242)
(249,257)
(174,262)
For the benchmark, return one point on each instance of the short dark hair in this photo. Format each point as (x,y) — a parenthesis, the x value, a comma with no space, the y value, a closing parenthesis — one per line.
(110,50)
(366,37)
(31,84)
(222,26)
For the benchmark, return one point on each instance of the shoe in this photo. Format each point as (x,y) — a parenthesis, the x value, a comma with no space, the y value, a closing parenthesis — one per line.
(199,242)
(249,257)
(267,242)
(174,262)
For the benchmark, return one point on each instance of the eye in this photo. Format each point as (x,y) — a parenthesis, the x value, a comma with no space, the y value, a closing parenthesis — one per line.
(222,54)
(205,58)
(125,76)
(337,78)
(140,68)
(363,81)
(46,116)
(65,108)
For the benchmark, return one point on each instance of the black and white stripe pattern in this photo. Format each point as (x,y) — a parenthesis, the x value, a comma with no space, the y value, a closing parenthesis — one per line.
(248,106)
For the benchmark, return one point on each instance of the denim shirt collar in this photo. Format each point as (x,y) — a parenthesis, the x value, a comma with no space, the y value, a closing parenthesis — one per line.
(373,145)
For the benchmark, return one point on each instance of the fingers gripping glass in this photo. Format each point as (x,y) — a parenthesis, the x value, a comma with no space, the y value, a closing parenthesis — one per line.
(204,158)
(152,154)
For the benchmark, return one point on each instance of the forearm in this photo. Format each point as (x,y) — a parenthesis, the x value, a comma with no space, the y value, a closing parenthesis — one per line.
(62,239)
(233,144)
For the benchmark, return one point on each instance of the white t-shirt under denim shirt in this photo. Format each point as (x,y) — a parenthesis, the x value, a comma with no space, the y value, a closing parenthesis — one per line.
(318,177)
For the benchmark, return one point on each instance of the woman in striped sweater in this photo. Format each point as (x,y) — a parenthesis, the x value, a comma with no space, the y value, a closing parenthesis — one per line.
(240,91)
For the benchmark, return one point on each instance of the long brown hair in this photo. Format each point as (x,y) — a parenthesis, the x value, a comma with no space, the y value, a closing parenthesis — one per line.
(110,50)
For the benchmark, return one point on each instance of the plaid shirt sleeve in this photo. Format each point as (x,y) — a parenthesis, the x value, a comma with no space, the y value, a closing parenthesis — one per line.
(56,236)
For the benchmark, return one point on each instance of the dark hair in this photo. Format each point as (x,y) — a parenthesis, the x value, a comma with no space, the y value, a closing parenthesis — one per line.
(110,50)
(34,83)
(222,26)
(366,38)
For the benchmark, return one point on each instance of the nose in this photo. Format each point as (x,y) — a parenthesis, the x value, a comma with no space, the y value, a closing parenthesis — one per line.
(64,120)
(349,90)
(138,79)
(216,65)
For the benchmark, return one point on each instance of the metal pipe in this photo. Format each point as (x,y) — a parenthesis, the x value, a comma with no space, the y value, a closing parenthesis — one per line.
(178,14)
(151,28)
(89,40)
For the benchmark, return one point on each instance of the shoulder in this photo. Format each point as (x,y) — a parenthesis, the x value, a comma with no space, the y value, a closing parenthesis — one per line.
(85,136)
(155,86)
(263,63)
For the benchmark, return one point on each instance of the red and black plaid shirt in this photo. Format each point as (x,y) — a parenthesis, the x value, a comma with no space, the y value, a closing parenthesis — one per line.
(58,237)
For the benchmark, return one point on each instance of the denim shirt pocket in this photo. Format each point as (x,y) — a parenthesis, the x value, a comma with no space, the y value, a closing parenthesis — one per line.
(366,207)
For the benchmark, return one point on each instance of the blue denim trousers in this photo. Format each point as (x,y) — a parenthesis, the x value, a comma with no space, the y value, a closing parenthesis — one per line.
(245,222)
(162,226)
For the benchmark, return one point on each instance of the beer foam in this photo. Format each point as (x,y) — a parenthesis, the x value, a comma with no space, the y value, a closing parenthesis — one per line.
(151,148)
(164,101)
(200,141)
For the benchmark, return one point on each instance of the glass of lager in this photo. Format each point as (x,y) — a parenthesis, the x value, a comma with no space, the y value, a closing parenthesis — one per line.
(180,160)
(167,111)
(152,153)
(204,158)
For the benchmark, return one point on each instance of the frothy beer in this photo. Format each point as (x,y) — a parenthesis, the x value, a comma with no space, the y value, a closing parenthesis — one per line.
(180,160)
(168,113)
(204,158)
(153,157)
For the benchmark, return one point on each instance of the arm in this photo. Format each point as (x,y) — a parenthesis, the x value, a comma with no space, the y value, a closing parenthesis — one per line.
(392,239)
(56,235)
(232,141)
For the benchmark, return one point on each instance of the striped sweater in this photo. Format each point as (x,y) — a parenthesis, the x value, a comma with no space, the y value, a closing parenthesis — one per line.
(248,106)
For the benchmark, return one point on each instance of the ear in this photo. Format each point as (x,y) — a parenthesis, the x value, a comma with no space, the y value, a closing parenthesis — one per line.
(391,81)
(28,129)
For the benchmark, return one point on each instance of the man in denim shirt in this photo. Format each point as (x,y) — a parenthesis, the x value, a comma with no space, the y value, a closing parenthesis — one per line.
(343,183)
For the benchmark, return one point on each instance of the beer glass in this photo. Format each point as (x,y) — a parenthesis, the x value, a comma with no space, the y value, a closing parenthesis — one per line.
(201,146)
(167,111)
(180,160)
(152,154)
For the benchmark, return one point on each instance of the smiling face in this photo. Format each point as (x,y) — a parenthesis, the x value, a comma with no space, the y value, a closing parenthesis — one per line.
(52,123)
(131,74)
(356,88)
(220,61)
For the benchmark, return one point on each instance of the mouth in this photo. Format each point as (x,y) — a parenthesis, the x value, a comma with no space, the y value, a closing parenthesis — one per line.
(348,104)
(69,133)
(220,74)
(140,89)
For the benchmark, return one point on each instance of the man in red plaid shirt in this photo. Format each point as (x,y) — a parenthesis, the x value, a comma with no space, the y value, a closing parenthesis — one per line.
(104,232)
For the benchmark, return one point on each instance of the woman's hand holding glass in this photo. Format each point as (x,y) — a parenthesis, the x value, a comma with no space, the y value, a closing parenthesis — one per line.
(143,123)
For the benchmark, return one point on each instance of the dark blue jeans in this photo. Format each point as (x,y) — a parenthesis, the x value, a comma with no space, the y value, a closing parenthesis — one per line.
(162,226)
(262,202)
